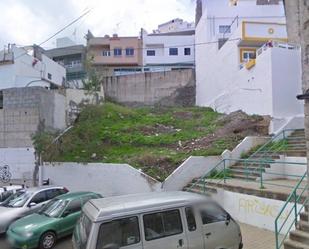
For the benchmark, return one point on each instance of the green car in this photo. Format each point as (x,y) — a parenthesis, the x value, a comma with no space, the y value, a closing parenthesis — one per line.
(55,220)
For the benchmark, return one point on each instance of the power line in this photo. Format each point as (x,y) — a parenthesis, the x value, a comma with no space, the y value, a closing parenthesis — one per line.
(65,27)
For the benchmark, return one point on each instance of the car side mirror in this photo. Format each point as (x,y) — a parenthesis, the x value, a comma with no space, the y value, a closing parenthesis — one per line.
(32,204)
(227,219)
(111,246)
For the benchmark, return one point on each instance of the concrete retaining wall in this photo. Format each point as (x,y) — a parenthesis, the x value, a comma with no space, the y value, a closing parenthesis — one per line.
(155,88)
(107,179)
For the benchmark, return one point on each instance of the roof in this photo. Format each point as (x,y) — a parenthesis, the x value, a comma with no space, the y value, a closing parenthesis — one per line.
(176,33)
(34,189)
(110,207)
(73,195)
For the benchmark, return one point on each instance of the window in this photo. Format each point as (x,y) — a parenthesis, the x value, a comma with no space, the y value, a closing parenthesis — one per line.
(248,55)
(151,53)
(74,206)
(163,224)
(212,213)
(39,197)
(51,193)
(129,51)
(221,42)
(173,51)
(85,228)
(187,51)
(1,99)
(122,232)
(224,29)
(267,2)
(190,219)
(117,52)
(49,76)
(106,53)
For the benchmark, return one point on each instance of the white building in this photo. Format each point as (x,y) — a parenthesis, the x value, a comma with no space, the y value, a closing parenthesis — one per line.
(175,25)
(235,70)
(166,51)
(21,67)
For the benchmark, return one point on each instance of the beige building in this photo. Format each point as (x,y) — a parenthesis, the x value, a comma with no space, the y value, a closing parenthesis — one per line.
(115,55)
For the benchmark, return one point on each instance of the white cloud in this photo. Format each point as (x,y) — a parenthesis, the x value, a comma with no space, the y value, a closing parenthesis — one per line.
(32,21)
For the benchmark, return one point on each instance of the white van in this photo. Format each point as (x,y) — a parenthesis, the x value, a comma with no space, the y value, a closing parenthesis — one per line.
(162,220)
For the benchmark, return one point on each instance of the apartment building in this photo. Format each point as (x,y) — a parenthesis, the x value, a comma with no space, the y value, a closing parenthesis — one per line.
(115,55)
(168,51)
(72,57)
(175,25)
(27,66)
(242,50)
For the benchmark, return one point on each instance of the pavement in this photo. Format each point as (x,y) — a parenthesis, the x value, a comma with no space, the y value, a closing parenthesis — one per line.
(253,238)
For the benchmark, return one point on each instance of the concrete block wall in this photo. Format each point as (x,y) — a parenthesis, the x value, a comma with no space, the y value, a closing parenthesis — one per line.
(23,109)
(172,88)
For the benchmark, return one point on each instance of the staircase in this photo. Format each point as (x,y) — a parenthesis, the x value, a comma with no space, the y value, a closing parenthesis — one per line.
(299,239)
(293,145)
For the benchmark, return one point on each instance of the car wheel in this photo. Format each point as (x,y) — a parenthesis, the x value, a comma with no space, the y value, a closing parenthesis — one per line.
(48,240)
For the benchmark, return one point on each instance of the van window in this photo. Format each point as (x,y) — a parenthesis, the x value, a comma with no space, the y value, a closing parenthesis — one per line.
(122,232)
(84,229)
(162,224)
(190,219)
(211,213)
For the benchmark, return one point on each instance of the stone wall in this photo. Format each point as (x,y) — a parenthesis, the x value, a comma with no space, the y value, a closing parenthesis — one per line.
(172,88)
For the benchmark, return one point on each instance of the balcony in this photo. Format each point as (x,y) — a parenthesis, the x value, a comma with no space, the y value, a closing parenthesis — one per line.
(258,33)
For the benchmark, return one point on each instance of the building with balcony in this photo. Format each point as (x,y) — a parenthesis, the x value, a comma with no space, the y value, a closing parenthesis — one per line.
(72,58)
(243,60)
(27,66)
(115,55)
(168,51)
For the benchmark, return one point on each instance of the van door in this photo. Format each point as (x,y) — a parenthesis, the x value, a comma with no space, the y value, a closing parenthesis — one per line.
(194,230)
(220,231)
(164,229)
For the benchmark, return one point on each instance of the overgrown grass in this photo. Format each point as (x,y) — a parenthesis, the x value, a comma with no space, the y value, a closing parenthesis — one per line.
(146,138)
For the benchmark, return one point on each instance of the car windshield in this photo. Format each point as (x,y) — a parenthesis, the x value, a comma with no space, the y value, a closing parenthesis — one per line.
(54,208)
(17,200)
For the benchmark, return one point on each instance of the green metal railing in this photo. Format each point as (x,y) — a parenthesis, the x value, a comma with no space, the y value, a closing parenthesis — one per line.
(289,214)
(221,173)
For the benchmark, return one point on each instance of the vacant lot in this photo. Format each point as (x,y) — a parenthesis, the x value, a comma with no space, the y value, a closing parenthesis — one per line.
(157,140)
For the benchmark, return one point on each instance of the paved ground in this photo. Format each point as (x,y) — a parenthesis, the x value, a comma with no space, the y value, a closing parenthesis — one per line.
(253,238)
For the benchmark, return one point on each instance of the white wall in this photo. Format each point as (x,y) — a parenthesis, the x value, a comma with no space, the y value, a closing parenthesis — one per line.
(162,54)
(253,210)
(193,167)
(21,162)
(107,179)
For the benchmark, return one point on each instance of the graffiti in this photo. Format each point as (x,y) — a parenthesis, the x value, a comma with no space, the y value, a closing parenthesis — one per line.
(255,206)
(5,174)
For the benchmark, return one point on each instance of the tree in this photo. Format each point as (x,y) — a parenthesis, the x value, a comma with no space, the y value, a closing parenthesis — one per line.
(93,82)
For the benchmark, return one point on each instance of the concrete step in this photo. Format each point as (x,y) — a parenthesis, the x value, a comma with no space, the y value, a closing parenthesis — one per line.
(300,236)
(254,172)
(291,244)
(303,226)
(297,154)
(244,177)
(250,167)
(199,188)
(304,216)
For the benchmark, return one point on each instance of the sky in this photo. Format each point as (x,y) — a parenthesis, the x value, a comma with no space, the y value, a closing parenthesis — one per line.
(25,22)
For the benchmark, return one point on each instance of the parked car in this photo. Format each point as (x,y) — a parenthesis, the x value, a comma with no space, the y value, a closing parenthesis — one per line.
(7,191)
(55,220)
(166,220)
(26,201)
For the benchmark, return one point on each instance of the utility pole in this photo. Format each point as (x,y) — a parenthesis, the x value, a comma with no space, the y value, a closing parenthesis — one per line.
(297,14)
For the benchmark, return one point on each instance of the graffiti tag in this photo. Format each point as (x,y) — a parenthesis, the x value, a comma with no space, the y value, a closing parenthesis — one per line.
(5,174)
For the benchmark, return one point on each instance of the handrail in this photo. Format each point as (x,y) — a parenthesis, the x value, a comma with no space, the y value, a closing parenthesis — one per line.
(297,200)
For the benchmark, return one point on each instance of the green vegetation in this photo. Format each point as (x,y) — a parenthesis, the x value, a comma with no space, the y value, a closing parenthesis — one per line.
(157,140)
